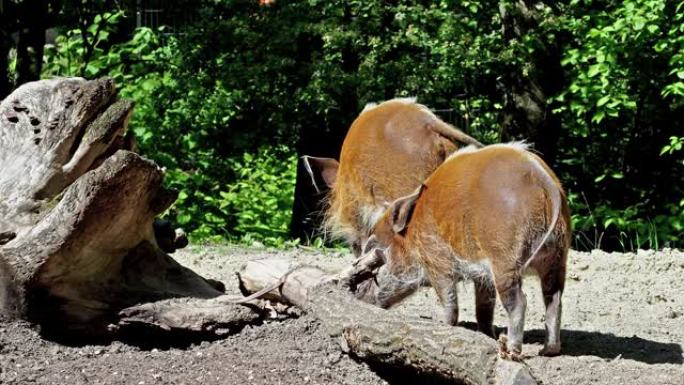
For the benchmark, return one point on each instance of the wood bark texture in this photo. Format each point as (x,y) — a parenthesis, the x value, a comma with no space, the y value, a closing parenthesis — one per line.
(376,335)
(218,317)
(77,206)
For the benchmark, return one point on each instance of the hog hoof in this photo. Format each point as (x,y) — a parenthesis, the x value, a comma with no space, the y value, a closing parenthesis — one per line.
(503,340)
(550,351)
(506,354)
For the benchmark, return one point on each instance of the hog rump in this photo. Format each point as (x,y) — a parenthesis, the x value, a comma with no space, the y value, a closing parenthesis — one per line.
(490,215)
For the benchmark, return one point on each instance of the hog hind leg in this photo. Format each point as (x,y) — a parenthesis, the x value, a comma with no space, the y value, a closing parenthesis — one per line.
(552,277)
(508,283)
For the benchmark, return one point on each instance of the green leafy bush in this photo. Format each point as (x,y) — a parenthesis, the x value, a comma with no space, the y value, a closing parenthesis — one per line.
(622,61)
(257,206)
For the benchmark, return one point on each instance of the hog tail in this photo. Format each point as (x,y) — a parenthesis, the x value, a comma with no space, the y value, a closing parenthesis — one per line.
(554,192)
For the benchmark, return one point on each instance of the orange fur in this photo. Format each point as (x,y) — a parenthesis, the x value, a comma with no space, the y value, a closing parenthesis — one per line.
(389,150)
(490,204)
(485,215)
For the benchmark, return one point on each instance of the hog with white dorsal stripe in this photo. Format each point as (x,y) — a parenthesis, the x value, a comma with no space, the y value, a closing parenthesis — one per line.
(489,215)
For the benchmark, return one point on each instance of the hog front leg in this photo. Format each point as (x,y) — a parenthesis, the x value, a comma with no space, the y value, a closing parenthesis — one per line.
(446,289)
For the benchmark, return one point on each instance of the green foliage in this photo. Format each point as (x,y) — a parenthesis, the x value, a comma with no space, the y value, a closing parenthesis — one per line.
(622,61)
(66,56)
(676,143)
(673,43)
(633,229)
(440,52)
(601,67)
(257,204)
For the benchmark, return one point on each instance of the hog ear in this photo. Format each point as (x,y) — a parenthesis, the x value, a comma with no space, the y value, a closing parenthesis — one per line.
(324,169)
(402,210)
(452,133)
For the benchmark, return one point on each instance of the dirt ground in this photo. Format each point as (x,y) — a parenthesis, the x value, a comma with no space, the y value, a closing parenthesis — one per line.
(623,323)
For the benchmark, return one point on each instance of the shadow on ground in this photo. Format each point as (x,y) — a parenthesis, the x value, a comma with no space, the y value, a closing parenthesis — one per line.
(609,346)
(399,375)
(605,345)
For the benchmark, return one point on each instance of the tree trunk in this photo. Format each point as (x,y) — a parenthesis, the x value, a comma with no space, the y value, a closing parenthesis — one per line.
(33,21)
(77,243)
(308,203)
(527,114)
(317,140)
(325,139)
(380,337)
(5,86)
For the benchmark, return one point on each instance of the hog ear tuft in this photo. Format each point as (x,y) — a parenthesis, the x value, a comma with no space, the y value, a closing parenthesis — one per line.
(370,244)
(321,170)
(380,253)
(402,210)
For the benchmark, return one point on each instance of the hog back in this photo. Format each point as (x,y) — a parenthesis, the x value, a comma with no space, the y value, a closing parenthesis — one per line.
(389,150)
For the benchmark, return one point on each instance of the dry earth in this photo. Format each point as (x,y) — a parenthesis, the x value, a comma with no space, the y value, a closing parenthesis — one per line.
(623,323)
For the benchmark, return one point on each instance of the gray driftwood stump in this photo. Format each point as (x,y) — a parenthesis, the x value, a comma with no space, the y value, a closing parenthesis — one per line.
(77,207)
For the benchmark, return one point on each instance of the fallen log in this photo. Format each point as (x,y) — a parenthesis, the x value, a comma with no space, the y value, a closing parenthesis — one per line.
(77,212)
(217,317)
(377,336)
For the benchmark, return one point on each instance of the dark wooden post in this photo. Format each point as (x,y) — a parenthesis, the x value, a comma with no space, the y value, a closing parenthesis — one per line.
(526,111)
(33,17)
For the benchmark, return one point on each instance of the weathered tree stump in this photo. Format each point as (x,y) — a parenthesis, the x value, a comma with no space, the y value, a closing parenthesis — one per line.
(77,207)
(375,335)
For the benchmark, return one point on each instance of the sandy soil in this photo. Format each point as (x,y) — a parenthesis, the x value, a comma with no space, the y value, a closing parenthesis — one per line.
(623,323)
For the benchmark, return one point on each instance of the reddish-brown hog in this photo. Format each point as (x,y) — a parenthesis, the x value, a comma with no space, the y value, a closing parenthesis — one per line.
(489,215)
(389,151)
